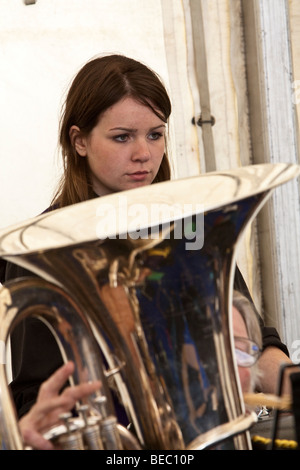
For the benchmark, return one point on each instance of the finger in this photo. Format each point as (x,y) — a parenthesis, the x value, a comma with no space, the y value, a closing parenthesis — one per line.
(66,401)
(35,440)
(56,381)
(45,413)
(81,391)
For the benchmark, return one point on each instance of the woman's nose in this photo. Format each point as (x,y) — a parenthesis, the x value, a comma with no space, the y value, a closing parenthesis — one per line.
(141,150)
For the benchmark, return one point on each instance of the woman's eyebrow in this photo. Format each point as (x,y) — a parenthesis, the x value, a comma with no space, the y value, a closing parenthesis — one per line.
(158,127)
(127,129)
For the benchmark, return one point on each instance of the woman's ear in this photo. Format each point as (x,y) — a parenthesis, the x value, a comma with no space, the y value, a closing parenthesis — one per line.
(78,141)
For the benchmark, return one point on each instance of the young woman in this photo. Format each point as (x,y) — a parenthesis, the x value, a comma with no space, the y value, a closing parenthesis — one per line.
(113,137)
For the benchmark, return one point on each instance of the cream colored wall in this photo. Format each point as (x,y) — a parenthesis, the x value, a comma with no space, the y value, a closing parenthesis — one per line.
(224,66)
(42,46)
(274,138)
(227,81)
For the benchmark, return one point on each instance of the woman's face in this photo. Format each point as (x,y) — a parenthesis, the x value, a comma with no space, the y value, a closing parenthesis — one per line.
(239,329)
(125,149)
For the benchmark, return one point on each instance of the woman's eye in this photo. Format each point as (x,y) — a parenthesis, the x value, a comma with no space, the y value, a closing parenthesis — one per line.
(155,135)
(121,138)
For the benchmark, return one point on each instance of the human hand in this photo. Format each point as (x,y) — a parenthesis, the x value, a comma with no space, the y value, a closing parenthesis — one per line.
(50,405)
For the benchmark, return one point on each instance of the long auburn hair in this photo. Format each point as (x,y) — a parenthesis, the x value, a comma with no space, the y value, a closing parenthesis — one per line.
(100,84)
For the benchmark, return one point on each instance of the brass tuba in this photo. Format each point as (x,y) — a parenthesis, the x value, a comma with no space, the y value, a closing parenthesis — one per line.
(136,288)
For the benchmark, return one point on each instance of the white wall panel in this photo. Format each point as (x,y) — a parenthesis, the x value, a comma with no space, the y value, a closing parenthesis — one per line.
(42,46)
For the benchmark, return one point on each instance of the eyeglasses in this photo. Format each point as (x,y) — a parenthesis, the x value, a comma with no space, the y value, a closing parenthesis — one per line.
(247,351)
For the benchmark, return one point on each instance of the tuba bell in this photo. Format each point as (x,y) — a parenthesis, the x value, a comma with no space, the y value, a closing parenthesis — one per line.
(136,288)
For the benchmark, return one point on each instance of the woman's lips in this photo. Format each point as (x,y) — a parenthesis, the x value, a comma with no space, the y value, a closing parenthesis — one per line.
(139,175)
